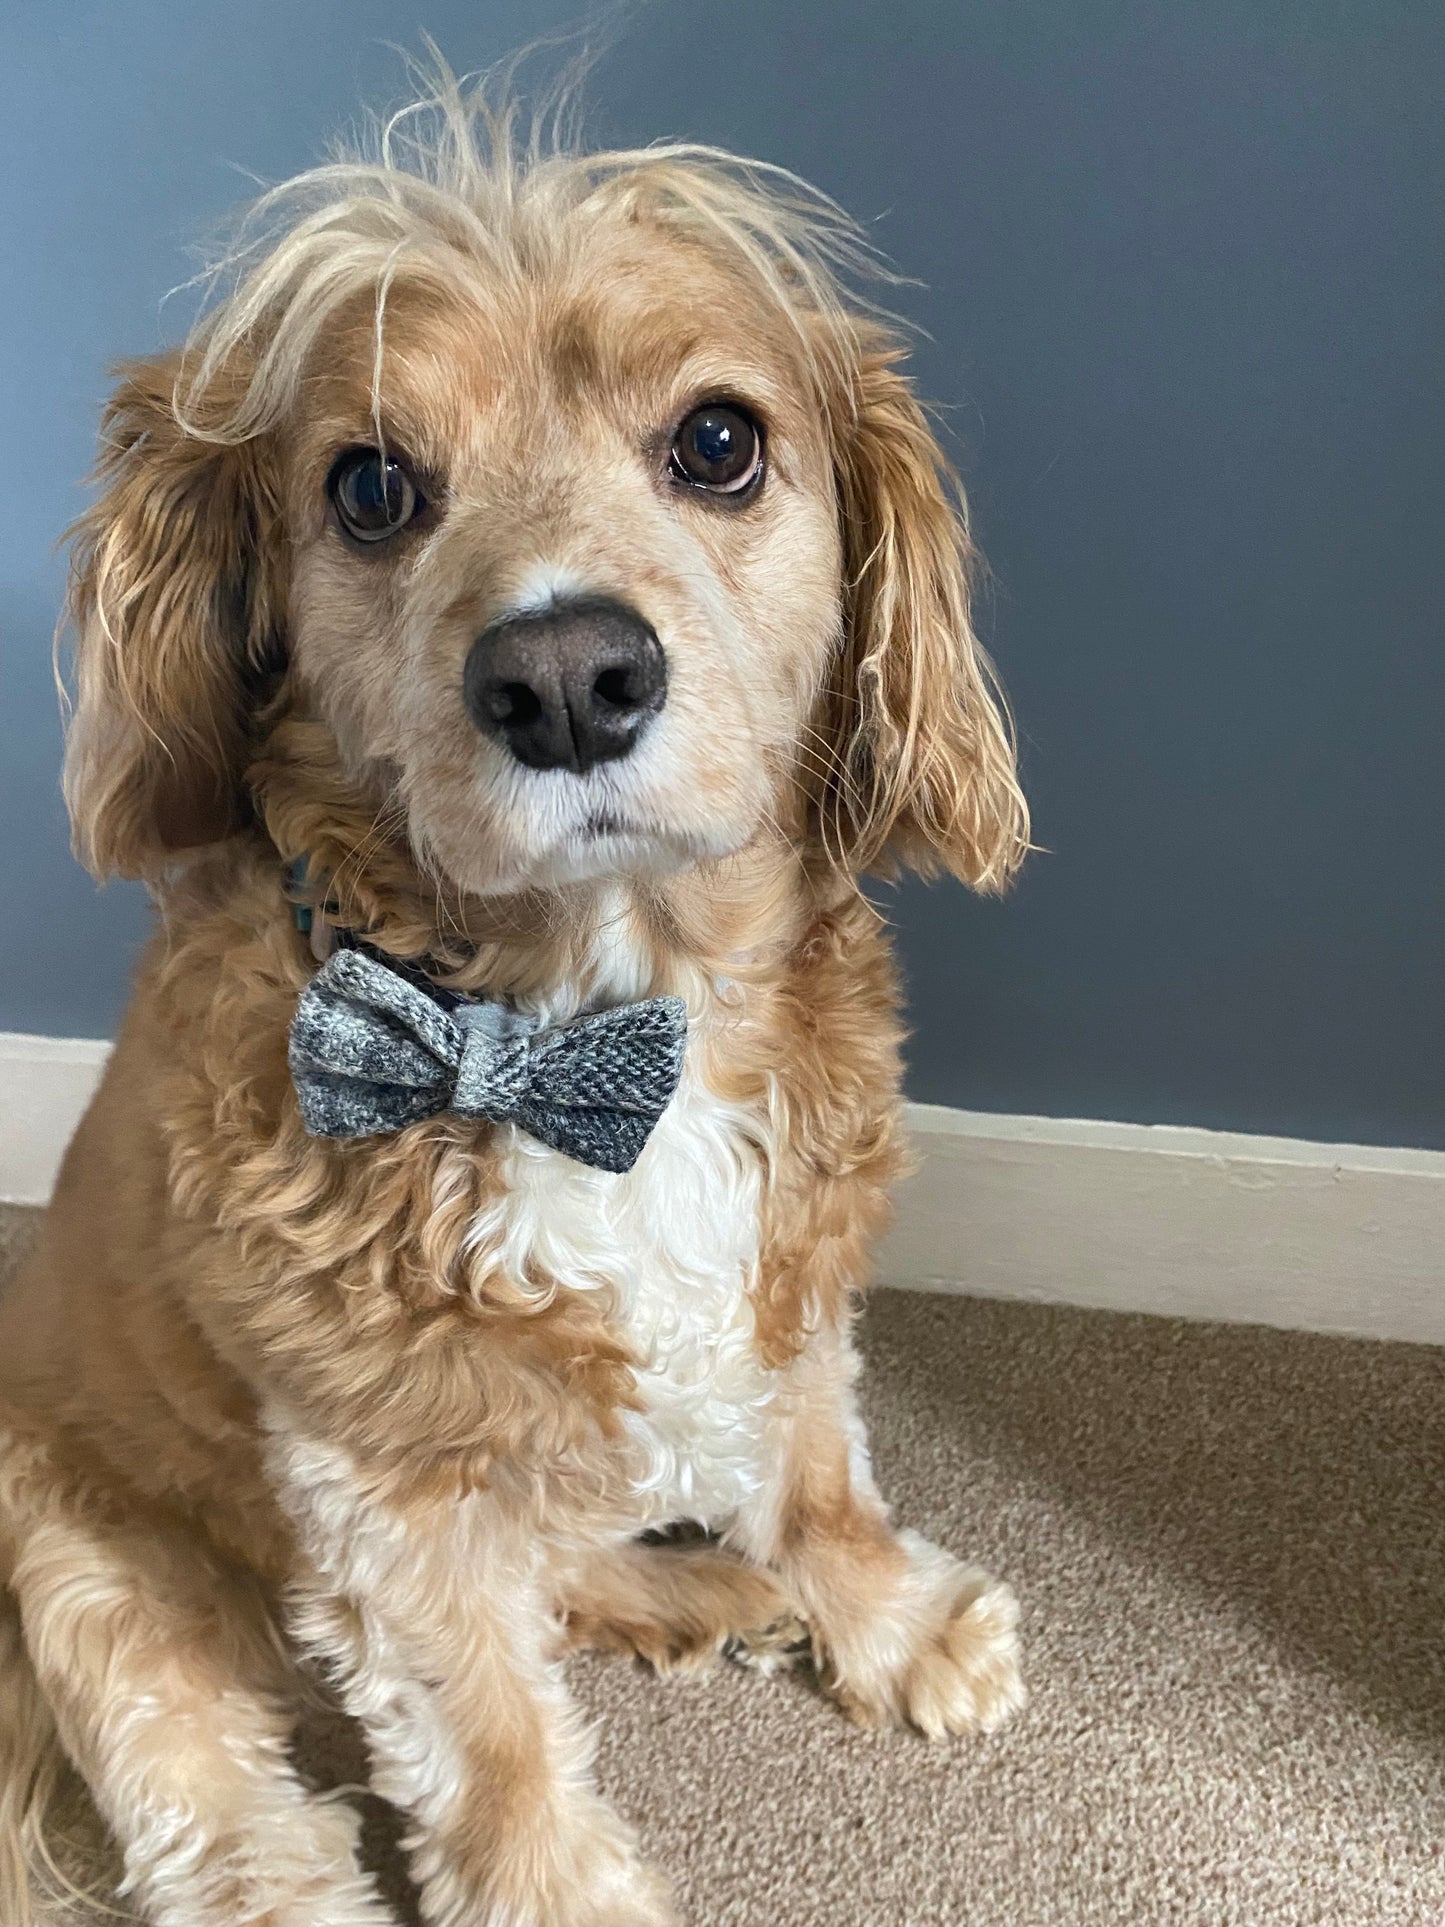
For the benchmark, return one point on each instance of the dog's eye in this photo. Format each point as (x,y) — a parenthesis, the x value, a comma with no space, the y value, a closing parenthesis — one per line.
(718,448)
(375,495)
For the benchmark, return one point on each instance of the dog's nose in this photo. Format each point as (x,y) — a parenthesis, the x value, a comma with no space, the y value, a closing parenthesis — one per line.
(569,687)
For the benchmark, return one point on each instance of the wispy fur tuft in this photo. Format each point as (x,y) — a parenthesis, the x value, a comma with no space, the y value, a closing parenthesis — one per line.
(466,176)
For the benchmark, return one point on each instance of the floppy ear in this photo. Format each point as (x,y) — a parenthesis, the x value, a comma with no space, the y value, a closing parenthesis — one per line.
(176,618)
(921,746)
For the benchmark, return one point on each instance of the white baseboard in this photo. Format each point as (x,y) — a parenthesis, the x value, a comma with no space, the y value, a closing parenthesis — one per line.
(1155,1218)
(1121,1217)
(45,1084)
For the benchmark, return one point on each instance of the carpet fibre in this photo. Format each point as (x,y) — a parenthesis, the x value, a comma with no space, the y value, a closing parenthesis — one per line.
(1230,1548)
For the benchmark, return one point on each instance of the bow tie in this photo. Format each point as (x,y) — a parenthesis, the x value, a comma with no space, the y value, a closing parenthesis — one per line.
(372,1051)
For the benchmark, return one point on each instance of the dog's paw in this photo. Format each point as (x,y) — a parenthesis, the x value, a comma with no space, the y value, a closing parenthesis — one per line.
(646,1902)
(687,1605)
(591,1876)
(943,1658)
(782,1646)
(966,1679)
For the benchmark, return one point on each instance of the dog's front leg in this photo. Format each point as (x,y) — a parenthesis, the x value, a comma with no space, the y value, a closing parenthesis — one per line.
(901,1629)
(161,1671)
(427,1616)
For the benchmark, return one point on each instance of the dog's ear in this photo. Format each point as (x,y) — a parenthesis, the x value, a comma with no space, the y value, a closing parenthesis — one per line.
(921,750)
(176,613)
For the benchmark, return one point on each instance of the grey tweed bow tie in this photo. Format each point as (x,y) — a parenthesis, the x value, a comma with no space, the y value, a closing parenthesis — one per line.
(372,1051)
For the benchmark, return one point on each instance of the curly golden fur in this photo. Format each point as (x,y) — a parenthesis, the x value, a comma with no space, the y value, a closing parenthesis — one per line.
(412,1400)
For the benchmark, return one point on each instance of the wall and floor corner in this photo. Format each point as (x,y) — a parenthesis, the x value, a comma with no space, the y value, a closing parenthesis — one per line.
(1183,298)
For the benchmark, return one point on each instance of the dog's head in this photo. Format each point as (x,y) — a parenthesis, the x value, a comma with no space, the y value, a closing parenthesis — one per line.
(580,508)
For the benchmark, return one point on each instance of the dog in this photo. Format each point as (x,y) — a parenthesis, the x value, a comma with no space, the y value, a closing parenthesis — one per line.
(532,600)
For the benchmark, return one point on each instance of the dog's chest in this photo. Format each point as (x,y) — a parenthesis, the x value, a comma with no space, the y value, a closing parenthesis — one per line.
(671,1250)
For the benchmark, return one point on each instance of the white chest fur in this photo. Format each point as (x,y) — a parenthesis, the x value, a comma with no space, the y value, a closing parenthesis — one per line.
(670,1248)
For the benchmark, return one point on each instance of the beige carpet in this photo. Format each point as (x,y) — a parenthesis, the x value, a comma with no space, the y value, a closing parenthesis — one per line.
(1230,1547)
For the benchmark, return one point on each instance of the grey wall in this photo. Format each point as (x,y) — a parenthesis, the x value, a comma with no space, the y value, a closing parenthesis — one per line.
(1186,294)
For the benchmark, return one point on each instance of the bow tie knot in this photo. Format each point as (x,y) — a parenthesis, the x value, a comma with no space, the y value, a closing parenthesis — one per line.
(493,1069)
(372,1051)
